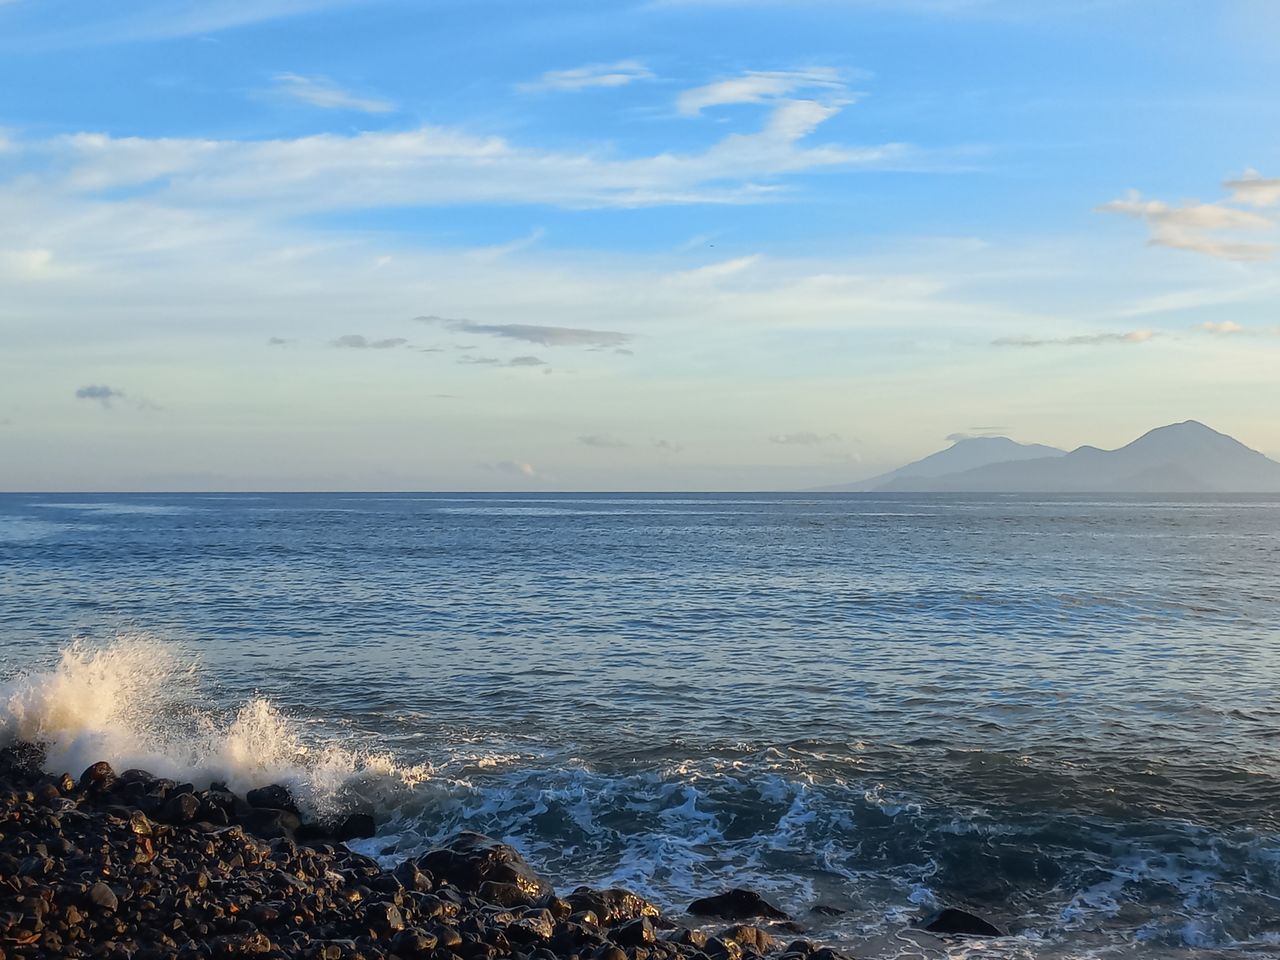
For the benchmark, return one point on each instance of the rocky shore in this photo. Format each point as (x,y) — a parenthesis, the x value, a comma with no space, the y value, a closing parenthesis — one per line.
(137,867)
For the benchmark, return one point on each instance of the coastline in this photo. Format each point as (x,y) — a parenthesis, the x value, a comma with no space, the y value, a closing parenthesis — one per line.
(135,867)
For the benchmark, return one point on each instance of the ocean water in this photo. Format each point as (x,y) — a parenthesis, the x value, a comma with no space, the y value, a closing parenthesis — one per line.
(1063,713)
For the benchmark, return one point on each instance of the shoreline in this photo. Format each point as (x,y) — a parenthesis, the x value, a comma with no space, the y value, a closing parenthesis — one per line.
(134,867)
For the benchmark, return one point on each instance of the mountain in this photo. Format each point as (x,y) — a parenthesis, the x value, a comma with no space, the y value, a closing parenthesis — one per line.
(1183,457)
(961,456)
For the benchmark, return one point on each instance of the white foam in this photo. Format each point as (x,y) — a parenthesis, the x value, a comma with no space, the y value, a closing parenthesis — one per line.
(137,702)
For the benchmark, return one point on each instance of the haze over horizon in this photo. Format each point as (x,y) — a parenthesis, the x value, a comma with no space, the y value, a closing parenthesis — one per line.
(373,244)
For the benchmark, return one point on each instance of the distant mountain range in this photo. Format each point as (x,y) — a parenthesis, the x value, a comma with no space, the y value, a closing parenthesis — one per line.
(1183,457)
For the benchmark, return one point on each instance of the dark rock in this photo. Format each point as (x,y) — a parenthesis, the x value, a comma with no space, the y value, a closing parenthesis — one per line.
(634,933)
(98,777)
(613,905)
(751,938)
(356,826)
(736,904)
(472,859)
(959,923)
(414,943)
(385,918)
(270,824)
(273,797)
(103,897)
(180,808)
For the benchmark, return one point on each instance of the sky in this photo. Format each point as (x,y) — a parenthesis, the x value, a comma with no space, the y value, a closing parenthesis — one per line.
(625,244)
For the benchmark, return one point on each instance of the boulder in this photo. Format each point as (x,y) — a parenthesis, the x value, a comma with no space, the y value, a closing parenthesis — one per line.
(273,797)
(613,905)
(736,904)
(470,860)
(750,938)
(959,923)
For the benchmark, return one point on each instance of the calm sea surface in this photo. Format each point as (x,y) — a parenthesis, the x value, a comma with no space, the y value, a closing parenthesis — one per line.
(1063,713)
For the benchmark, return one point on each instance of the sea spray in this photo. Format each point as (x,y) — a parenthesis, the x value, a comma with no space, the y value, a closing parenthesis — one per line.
(137,702)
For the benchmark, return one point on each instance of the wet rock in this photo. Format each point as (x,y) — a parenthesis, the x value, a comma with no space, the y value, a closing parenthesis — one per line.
(103,897)
(736,904)
(612,905)
(356,826)
(634,933)
(959,923)
(472,859)
(22,760)
(98,777)
(270,824)
(751,938)
(181,808)
(273,797)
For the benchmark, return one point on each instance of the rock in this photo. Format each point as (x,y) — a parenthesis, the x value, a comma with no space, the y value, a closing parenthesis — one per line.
(472,859)
(613,905)
(413,943)
(273,797)
(103,897)
(385,918)
(270,824)
(752,938)
(356,826)
(181,808)
(959,923)
(98,777)
(634,933)
(736,904)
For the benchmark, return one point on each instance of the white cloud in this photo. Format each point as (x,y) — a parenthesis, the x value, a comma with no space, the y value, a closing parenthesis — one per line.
(321,92)
(616,74)
(759,86)
(354,341)
(1255,190)
(1198,227)
(1221,327)
(1080,340)
(438,165)
(804,438)
(515,468)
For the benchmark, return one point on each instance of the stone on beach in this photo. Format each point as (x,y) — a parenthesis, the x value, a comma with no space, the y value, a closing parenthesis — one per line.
(736,904)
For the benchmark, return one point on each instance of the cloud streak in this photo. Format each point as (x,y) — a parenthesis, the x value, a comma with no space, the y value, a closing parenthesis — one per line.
(1082,340)
(617,74)
(758,86)
(324,93)
(354,341)
(803,438)
(545,336)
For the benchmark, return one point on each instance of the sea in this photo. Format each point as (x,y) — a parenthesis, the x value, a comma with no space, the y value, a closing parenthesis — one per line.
(1060,713)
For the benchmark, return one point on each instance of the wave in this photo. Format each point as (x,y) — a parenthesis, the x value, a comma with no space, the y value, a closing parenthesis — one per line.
(853,859)
(137,702)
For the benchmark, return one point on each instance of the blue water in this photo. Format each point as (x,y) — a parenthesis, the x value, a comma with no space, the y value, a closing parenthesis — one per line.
(1061,712)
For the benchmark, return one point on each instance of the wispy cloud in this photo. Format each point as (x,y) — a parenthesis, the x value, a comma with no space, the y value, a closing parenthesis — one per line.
(322,92)
(759,86)
(602,441)
(107,396)
(277,341)
(1255,190)
(100,393)
(440,165)
(617,74)
(804,438)
(515,468)
(1082,340)
(1230,328)
(354,341)
(526,361)
(668,446)
(535,333)
(1208,228)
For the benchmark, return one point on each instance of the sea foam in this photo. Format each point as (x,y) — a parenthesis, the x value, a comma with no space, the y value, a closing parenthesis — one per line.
(137,702)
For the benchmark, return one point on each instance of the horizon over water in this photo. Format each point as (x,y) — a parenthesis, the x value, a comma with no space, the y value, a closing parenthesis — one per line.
(1057,711)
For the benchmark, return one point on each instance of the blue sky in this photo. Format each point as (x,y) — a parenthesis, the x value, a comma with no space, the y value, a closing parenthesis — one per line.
(684,244)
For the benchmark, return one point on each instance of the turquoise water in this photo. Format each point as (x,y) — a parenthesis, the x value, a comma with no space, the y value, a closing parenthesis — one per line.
(1061,712)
